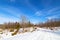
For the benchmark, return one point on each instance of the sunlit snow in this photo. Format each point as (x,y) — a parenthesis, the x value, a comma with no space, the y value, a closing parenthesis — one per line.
(38,34)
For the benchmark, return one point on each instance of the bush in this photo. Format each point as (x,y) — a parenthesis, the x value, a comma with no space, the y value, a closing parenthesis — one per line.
(11,30)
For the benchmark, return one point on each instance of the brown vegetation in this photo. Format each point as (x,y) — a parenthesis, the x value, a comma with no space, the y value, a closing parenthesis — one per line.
(50,23)
(25,24)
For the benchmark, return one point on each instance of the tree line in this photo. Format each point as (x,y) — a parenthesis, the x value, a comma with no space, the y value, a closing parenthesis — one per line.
(50,23)
(24,23)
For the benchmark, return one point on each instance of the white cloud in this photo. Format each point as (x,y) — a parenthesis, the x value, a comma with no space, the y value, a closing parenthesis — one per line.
(6,19)
(12,10)
(30,5)
(15,14)
(53,10)
(52,17)
(39,13)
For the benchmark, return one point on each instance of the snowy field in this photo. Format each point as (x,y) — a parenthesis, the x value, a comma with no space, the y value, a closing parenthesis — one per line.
(38,34)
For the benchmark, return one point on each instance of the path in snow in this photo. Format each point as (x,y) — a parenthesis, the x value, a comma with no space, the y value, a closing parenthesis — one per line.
(41,34)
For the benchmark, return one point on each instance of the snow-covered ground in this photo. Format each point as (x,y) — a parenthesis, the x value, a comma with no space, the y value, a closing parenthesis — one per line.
(38,34)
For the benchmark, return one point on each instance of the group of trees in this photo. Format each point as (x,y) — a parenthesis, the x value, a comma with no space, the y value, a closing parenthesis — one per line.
(17,25)
(50,23)
(25,23)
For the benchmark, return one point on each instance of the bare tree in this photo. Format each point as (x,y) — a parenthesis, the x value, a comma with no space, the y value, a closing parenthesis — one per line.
(23,21)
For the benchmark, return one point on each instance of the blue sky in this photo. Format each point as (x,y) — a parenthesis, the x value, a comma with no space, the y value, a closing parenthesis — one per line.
(35,10)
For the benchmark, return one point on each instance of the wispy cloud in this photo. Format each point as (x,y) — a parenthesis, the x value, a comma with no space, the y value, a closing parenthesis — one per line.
(12,0)
(30,5)
(50,11)
(6,19)
(15,12)
(12,14)
(53,17)
(39,13)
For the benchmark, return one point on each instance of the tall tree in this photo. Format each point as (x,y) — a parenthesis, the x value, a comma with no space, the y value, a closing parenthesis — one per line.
(23,21)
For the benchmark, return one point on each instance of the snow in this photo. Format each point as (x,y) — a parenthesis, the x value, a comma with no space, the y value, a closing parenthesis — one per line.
(38,34)
(6,34)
